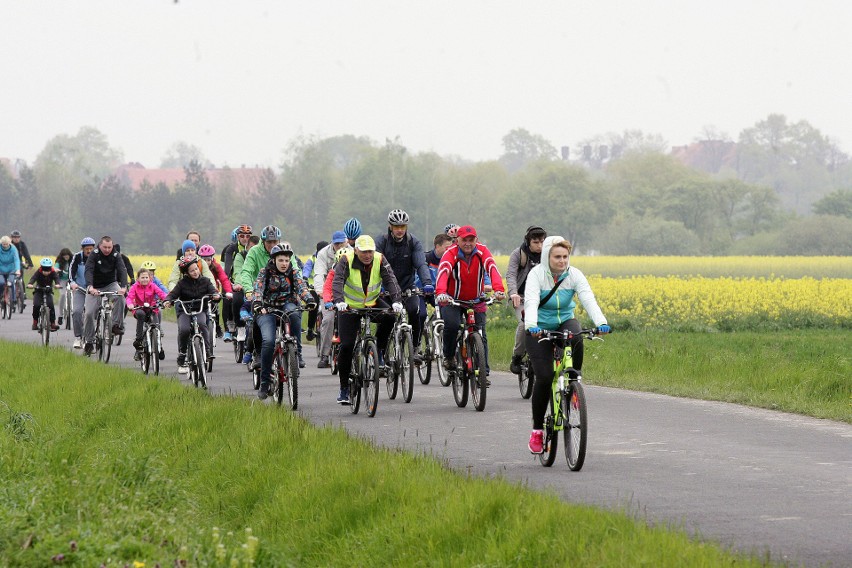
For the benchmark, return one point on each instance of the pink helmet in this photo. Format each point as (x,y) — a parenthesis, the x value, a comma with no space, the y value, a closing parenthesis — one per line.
(206,250)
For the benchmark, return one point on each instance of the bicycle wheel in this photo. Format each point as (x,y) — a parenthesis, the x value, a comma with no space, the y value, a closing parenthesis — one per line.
(145,357)
(406,365)
(199,354)
(293,377)
(99,336)
(279,374)
(392,364)
(318,336)
(459,379)
(576,425)
(19,286)
(154,349)
(44,325)
(371,378)
(526,378)
(424,369)
(551,437)
(477,377)
(438,346)
(355,384)
(238,347)
(335,356)
(68,308)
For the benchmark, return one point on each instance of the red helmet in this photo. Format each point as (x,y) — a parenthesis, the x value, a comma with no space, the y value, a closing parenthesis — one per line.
(185,262)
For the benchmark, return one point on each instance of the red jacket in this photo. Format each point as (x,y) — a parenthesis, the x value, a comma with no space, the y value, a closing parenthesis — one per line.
(220,276)
(465,279)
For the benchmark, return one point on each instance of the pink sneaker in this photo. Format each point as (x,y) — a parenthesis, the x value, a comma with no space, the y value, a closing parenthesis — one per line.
(536,444)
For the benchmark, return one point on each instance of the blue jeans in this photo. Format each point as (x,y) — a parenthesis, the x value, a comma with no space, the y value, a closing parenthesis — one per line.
(8,280)
(267,324)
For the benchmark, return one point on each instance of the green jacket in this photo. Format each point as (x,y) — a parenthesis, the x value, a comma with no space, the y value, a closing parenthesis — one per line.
(256,259)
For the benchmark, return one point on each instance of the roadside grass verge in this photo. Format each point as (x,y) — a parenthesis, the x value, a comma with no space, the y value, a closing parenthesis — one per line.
(104,466)
(805,372)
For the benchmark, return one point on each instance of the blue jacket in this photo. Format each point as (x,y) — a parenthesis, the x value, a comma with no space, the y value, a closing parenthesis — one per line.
(10,260)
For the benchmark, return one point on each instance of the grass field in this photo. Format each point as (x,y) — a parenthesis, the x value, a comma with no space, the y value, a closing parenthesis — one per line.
(102,466)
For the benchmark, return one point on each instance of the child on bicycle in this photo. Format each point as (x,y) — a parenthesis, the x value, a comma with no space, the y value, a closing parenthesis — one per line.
(549,304)
(191,286)
(44,277)
(279,285)
(143,291)
(63,267)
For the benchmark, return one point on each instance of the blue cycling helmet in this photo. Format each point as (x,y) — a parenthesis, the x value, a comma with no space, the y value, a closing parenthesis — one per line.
(46,263)
(270,233)
(88,242)
(234,235)
(352,228)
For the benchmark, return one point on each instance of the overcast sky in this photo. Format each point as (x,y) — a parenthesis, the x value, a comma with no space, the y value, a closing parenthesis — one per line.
(241,78)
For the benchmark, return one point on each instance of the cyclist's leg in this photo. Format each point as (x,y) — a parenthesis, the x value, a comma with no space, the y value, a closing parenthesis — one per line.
(326,330)
(3,278)
(452,317)
(574,327)
(312,314)
(266,324)
(62,291)
(118,309)
(50,307)
(228,314)
(91,306)
(541,358)
(519,348)
(77,314)
(184,329)
(237,303)
(140,319)
(347,330)
(481,318)
(295,325)
(205,326)
(412,308)
(384,327)
(37,301)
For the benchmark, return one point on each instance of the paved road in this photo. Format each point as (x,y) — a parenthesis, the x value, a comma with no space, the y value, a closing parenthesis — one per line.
(754,480)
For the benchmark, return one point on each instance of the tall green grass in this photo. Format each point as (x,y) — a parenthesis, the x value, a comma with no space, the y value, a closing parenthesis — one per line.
(805,372)
(104,466)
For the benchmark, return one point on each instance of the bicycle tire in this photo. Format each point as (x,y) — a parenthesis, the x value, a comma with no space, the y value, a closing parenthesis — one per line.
(318,336)
(526,378)
(145,358)
(551,437)
(199,357)
(107,341)
(459,380)
(406,365)
(238,357)
(68,308)
(293,377)
(99,336)
(424,369)
(5,309)
(44,324)
(279,366)
(21,295)
(392,365)
(477,378)
(438,342)
(575,426)
(154,350)
(355,386)
(371,378)
(118,339)
(335,358)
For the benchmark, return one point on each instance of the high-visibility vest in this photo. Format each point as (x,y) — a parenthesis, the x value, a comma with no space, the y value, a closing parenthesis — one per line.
(353,288)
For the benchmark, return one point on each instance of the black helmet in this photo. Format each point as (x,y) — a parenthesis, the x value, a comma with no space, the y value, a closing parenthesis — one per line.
(282,248)
(15,233)
(185,262)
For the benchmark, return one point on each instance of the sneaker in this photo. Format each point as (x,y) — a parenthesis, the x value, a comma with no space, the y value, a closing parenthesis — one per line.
(310,335)
(138,355)
(383,371)
(241,334)
(255,362)
(449,363)
(301,362)
(219,332)
(54,327)
(137,344)
(418,356)
(183,369)
(60,320)
(181,360)
(227,337)
(35,325)
(78,343)
(88,349)
(264,391)
(536,444)
(116,330)
(515,365)
(343,397)
(246,358)
(323,363)
(162,355)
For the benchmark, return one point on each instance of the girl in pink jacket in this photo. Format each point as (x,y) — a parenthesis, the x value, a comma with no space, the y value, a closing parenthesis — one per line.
(144,291)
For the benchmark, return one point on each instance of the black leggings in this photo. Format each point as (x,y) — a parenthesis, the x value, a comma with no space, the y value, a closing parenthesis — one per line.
(541,357)
(348,324)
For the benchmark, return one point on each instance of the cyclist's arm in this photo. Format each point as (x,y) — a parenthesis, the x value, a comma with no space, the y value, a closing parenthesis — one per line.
(341,273)
(587,297)
(25,253)
(33,278)
(444,269)
(512,272)
(249,269)
(121,268)
(90,269)
(159,284)
(327,294)
(532,296)
(174,276)
(301,287)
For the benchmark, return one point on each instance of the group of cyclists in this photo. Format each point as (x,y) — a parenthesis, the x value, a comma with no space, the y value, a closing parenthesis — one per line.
(259,274)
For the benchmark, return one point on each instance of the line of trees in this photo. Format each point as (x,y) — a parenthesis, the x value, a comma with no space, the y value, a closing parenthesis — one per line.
(644,201)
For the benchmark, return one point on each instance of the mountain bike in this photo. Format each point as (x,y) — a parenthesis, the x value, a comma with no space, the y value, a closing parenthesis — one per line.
(20,291)
(103,326)
(285,359)
(365,363)
(399,359)
(152,338)
(8,301)
(334,354)
(431,342)
(468,373)
(566,411)
(196,352)
(43,319)
(212,319)
(526,378)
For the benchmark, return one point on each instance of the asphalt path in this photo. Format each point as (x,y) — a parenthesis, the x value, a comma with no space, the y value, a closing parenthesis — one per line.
(753,480)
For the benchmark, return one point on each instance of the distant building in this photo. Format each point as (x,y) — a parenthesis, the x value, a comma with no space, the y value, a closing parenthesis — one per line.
(708,155)
(241,180)
(13,166)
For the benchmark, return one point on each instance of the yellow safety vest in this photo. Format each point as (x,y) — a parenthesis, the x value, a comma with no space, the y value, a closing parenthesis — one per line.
(353,288)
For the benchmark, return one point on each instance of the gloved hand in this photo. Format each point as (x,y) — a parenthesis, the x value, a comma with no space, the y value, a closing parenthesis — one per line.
(535,331)
(442,299)
(229,295)
(603,329)
(341,306)
(256,307)
(398,307)
(311,306)
(329,305)
(428,289)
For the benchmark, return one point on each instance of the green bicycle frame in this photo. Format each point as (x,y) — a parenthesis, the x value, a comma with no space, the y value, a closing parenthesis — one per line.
(561,362)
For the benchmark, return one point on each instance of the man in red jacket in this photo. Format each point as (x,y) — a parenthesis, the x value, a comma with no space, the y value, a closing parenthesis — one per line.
(461,276)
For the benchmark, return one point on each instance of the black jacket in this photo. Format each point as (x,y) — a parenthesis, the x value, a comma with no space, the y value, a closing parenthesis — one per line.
(188,288)
(405,257)
(102,270)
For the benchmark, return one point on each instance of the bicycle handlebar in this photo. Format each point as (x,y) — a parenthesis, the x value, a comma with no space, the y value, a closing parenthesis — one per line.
(471,303)
(590,333)
(200,301)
